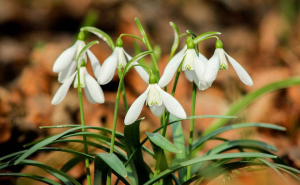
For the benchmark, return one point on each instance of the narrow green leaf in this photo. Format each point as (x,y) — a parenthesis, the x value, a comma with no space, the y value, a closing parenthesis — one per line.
(100,172)
(162,142)
(43,167)
(161,163)
(288,168)
(178,138)
(71,163)
(140,170)
(205,35)
(206,158)
(289,172)
(114,163)
(197,144)
(43,143)
(29,176)
(251,97)
(176,39)
(101,34)
(273,168)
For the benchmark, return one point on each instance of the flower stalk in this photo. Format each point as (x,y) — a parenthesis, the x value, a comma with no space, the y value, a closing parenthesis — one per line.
(87,163)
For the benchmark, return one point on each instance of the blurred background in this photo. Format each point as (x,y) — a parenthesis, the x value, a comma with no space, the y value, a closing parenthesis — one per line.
(262,35)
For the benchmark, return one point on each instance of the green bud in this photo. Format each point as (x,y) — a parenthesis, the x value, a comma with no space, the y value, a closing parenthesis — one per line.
(219,44)
(190,43)
(80,36)
(152,79)
(119,42)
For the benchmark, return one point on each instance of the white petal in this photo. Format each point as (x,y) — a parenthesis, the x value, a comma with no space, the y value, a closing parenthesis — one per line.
(108,68)
(65,58)
(172,105)
(82,78)
(89,96)
(188,62)
(94,88)
(136,108)
(157,110)
(62,91)
(95,62)
(189,75)
(153,96)
(203,58)
(212,68)
(200,67)
(121,58)
(140,70)
(67,72)
(171,68)
(241,72)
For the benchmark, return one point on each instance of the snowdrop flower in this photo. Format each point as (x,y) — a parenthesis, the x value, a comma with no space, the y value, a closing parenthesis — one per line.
(92,89)
(157,99)
(118,59)
(192,65)
(218,62)
(65,64)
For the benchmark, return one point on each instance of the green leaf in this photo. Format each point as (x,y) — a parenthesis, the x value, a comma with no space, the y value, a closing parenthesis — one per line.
(176,39)
(114,163)
(71,163)
(29,176)
(178,138)
(161,163)
(43,167)
(43,143)
(141,171)
(250,98)
(100,172)
(101,34)
(162,142)
(289,172)
(197,117)
(206,158)
(273,168)
(233,144)
(197,144)
(205,35)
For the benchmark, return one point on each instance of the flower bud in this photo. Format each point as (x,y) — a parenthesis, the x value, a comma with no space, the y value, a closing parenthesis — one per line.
(119,42)
(190,43)
(153,79)
(80,36)
(219,44)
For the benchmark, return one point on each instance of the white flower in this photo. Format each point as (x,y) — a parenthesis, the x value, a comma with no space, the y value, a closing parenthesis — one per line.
(92,89)
(65,64)
(192,65)
(157,99)
(118,59)
(218,61)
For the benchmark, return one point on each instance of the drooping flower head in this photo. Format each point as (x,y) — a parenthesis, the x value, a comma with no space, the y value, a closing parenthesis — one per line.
(192,65)
(218,62)
(157,99)
(65,64)
(118,59)
(92,89)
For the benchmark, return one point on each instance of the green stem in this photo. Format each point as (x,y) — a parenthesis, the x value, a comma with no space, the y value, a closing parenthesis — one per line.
(133,36)
(123,92)
(173,93)
(148,45)
(194,93)
(87,163)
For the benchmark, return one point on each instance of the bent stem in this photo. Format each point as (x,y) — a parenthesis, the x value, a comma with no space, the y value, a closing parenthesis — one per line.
(194,94)
(87,163)
(148,45)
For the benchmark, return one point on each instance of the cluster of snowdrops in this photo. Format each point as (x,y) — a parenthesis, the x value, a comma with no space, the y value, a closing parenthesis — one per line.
(196,67)
(123,154)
